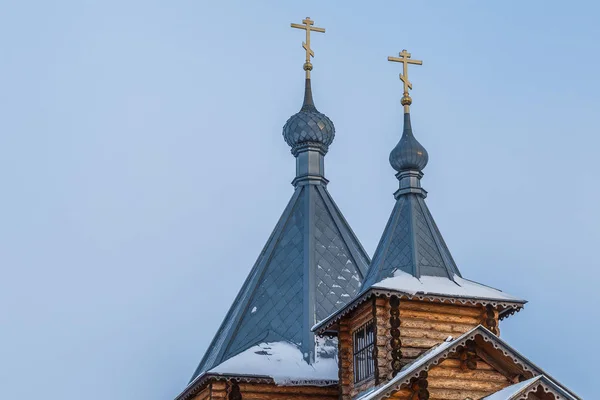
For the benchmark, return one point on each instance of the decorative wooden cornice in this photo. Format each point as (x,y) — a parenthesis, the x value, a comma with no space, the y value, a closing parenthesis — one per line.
(200,383)
(544,385)
(506,308)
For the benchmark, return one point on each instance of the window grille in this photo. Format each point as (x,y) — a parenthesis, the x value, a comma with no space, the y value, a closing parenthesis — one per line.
(364,363)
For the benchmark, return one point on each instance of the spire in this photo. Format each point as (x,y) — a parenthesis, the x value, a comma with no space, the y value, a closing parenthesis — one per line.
(411,241)
(310,267)
(412,256)
(309,132)
(409,157)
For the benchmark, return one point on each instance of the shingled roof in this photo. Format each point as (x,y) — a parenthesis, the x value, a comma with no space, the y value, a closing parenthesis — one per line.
(311,266)
(412,256)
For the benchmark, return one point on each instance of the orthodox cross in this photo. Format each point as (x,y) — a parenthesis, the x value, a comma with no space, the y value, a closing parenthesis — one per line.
(308,27)
(405,60)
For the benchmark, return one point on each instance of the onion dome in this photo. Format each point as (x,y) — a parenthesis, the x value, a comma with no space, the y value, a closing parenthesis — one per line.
(408,154)
(308,126)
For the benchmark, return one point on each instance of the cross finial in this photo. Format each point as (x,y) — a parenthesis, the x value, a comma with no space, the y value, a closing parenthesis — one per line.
(405,60)
(308,27)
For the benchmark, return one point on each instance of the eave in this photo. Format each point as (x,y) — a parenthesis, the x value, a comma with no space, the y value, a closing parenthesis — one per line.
(329,324)
(203,380)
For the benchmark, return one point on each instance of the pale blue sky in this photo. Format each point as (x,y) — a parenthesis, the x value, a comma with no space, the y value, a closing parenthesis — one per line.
(143,168)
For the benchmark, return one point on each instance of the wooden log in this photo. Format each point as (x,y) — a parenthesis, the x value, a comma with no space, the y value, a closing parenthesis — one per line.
(409,352)
(452,329)
(286,396)
(442,308)
(455,363)
(482,386)
(437,317)
(448,394)
(203,395)
(421,343)
(247,387)
(402,394)
(424,333)
(476,375)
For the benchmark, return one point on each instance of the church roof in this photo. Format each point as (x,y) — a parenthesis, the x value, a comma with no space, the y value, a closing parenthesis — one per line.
(497,348)
(311,266)
(412,255)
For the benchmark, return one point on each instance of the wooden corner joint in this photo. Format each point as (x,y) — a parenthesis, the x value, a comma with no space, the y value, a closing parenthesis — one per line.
(419,387)
(233,390)
(468,356)
(490,319)
(395,342)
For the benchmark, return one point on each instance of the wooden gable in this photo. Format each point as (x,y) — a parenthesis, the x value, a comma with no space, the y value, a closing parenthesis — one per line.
(474,366)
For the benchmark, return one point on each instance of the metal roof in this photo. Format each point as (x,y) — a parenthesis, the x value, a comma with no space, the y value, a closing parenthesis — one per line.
(311,266)
(411,241)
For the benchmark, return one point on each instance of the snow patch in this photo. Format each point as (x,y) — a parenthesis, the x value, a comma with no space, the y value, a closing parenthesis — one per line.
(284,362)
(406,283)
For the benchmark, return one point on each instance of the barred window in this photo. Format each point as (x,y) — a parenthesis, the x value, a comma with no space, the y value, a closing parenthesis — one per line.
(364,364)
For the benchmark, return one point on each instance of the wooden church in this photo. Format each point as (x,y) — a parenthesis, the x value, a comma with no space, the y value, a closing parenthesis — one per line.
(318,319)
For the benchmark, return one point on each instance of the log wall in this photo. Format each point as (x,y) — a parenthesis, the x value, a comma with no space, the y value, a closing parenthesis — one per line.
(254,391)
(363,314)
(448,381)
(425,324)
(203,395)
(265,391)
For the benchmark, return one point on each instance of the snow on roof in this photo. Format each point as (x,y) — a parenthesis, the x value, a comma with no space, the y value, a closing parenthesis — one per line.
(508,392)
(458,287)
(285,364)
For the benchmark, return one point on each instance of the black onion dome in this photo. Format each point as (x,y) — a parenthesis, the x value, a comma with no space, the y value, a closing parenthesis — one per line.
(408,153)
(308,125)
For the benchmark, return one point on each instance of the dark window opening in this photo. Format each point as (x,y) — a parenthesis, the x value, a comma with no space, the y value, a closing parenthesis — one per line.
(364,363)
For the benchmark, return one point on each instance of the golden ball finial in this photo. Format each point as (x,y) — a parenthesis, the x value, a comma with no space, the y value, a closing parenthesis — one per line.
(406,100)
(308,66)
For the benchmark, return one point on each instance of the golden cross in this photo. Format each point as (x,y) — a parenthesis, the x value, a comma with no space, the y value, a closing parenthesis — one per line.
(308,27)
(405,60)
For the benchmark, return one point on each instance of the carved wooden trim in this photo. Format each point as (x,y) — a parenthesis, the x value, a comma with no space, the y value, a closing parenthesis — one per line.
(468,356)
(395,342)
(506,308)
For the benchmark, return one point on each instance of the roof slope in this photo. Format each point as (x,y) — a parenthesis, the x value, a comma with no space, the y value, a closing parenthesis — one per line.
(311,266)
(411,242)
(411,245)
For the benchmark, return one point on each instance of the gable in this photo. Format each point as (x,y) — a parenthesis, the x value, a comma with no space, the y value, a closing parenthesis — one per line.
(461,364)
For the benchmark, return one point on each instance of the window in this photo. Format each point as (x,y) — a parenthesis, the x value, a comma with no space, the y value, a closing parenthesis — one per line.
(364,364)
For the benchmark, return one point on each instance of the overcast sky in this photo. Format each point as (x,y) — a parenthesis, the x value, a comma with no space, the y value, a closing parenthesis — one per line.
(142,169)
